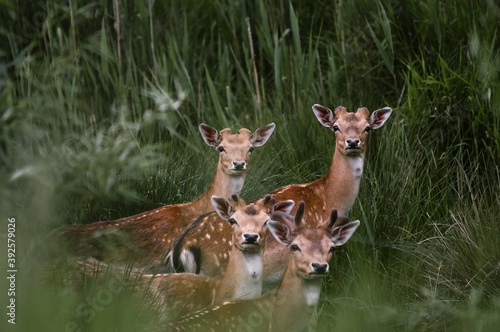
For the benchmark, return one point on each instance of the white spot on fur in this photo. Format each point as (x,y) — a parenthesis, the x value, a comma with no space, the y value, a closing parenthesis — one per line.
(188,261)
(216,259)
(207,236)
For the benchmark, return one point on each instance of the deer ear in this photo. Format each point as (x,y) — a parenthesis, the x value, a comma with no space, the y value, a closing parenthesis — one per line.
(281,231)
(324,115)
(210,135)
(283,207)
(261,135)
(340,221)
(222,207)
(341,234)
(378,117)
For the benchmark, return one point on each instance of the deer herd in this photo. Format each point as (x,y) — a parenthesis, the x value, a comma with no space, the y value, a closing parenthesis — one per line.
(219,263)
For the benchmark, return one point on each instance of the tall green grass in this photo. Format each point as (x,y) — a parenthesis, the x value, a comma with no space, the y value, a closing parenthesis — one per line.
(97,125)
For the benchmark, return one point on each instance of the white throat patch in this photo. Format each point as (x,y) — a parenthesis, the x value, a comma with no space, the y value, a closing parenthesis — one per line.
(237,183)
(251,285)
(356,164)
(312,291)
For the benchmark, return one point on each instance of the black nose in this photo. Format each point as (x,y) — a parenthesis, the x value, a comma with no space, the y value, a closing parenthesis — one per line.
(251,238)
(239,166)
(353,143)
(319,268)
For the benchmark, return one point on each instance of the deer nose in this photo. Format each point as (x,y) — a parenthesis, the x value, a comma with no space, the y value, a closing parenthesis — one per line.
(239,166)
(319,268)
(352,143)
(251,238)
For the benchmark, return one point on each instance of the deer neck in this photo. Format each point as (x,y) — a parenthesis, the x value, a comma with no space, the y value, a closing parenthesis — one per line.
(296,297)
(243,276)
(341,183)
(223,185)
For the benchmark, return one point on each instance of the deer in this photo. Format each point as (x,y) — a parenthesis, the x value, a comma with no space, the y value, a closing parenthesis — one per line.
(337,189)
(293,303)
(144,240)
(175,294)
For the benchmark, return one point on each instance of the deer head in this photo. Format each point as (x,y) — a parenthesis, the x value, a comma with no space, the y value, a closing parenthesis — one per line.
(351,129)
(235,149)
(312,247)
(249,221)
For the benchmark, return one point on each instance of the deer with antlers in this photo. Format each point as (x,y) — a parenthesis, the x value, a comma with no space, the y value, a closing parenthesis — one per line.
(144,240)
(337,189)
(289,307)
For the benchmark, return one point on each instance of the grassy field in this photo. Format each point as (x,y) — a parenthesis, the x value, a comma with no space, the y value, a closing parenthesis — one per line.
(99,108)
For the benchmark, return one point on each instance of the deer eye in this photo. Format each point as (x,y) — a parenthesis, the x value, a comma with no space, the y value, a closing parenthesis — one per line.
(335,128)
(367,129)
(251,149)
(220,149)
(232,221)
(294,247)
(332,249)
